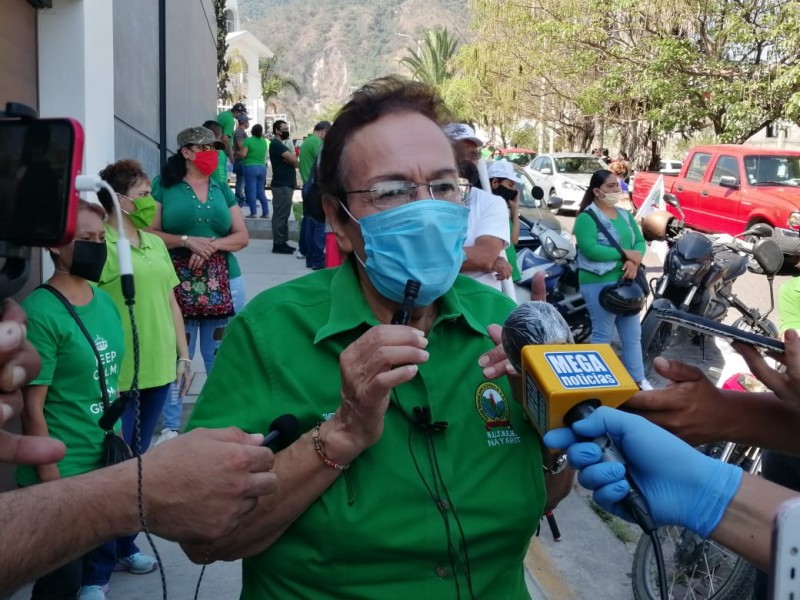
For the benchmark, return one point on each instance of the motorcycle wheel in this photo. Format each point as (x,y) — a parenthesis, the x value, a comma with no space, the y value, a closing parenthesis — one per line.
(696,569)
(764,327)
(655,337)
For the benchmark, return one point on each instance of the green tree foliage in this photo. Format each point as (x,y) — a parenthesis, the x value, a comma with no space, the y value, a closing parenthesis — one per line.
(432,61)
(222,49)
(643,67)
(274,83)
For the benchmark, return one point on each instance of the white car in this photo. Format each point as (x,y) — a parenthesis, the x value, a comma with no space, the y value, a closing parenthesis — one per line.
(564,174)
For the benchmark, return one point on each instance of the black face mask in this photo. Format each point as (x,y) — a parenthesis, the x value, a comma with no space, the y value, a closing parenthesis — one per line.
(88,260)
(505,193)
(284,135)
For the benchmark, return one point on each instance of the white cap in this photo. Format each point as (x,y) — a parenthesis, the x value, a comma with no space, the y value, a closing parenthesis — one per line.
(461,131)
(502,169)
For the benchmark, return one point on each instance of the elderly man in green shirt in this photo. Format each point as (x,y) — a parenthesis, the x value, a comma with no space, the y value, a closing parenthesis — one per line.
(416,475)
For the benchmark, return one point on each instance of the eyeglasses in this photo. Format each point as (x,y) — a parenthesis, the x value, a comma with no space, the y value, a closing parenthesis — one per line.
(203,147)
(388,194)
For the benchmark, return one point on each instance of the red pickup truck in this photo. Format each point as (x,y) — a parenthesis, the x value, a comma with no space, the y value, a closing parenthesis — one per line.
(727,188)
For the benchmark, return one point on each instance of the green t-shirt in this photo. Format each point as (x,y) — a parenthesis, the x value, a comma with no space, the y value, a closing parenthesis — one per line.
(256,151)
(227,121)
(585,230)
(789,304)
(376,532)
(183,214)
(283,174)
(308,154)
(221,172)
(69,368)
(511,257)
(154,278)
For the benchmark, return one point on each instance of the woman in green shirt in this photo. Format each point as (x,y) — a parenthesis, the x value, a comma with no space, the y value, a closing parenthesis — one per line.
(600,264)
(254,155)
(196,212)
(65,400)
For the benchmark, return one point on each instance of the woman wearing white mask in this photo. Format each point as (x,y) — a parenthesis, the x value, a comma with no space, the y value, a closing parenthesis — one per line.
(601,265)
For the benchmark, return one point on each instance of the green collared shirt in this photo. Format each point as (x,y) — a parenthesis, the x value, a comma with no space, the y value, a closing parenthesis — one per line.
(154,279)
(182,213)
(377,531)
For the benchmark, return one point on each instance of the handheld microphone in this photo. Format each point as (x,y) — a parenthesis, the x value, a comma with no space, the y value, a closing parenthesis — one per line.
(564,382)
(283,431)
(403,315)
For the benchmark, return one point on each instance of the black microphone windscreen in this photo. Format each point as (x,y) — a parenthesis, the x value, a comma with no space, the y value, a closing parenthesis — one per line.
(288,429)
(533,323)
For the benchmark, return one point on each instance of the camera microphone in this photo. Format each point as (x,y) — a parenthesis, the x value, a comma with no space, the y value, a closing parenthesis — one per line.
(282,431)
(564,382)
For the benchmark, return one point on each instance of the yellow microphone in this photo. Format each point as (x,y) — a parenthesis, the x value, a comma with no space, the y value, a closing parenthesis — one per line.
(558,374)
(564,382)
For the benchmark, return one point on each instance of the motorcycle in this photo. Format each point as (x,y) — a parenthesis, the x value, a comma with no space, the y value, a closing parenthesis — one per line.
(698,277)
(545,247)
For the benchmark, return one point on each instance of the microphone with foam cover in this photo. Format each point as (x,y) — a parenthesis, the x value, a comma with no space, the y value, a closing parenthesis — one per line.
(565,382)
(282,431)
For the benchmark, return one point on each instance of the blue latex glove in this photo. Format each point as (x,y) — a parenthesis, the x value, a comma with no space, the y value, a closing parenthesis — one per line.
(682,486)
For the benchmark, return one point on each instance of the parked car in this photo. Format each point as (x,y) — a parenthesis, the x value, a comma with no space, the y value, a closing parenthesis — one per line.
(728,189)
(565,175)
(534,209)
(670,167)
(518,156)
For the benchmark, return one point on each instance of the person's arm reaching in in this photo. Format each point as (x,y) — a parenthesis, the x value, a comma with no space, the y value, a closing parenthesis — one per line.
(682,486)
(196,488)
(695,410)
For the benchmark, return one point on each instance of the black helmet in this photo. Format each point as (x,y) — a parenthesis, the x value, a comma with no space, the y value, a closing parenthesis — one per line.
(623,298)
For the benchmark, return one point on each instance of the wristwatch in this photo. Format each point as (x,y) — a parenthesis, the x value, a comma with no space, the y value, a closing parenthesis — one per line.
(558,465)
(183,240)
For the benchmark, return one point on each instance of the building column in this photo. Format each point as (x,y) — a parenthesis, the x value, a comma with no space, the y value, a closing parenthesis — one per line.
(254,87)
(76,72)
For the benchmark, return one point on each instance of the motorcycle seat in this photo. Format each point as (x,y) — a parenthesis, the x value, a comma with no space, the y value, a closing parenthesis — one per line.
(733,265)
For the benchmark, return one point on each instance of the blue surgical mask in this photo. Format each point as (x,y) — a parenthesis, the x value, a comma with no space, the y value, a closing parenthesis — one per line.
(422,240)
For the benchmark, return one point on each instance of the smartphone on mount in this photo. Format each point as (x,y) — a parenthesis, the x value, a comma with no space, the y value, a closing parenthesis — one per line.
(39,159)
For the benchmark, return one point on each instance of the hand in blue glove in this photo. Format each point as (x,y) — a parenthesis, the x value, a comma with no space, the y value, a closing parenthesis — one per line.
(682,486)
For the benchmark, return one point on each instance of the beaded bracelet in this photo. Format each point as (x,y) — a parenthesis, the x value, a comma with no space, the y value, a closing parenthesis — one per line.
(186,360)
(321,452)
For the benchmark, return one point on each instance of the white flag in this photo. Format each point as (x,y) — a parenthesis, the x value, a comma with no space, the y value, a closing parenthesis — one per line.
(654,200)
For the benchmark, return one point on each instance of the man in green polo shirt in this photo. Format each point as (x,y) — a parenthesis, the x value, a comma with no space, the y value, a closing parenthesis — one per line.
(417,475)
(227,120)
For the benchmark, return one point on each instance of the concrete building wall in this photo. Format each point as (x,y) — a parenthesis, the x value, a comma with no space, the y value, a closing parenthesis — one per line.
(191,65)
(136,82)
(191,58)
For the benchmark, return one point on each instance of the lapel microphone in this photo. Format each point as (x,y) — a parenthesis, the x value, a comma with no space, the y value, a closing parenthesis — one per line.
(422,419)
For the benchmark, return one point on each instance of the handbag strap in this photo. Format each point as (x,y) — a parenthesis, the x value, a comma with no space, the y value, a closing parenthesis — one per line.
(100,372)
(610,238)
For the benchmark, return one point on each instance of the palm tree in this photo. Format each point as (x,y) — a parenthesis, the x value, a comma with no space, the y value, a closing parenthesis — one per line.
(272,82)
(431,63)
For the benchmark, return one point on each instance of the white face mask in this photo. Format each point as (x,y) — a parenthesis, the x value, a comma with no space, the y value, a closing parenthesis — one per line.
(612,199)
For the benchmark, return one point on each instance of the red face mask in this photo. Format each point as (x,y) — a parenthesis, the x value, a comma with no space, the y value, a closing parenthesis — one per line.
(206,161)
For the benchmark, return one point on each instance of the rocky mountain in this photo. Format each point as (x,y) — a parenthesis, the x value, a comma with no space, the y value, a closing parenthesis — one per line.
(332,46)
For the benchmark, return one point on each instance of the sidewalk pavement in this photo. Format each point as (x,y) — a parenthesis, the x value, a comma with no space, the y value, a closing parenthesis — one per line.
(589,562)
